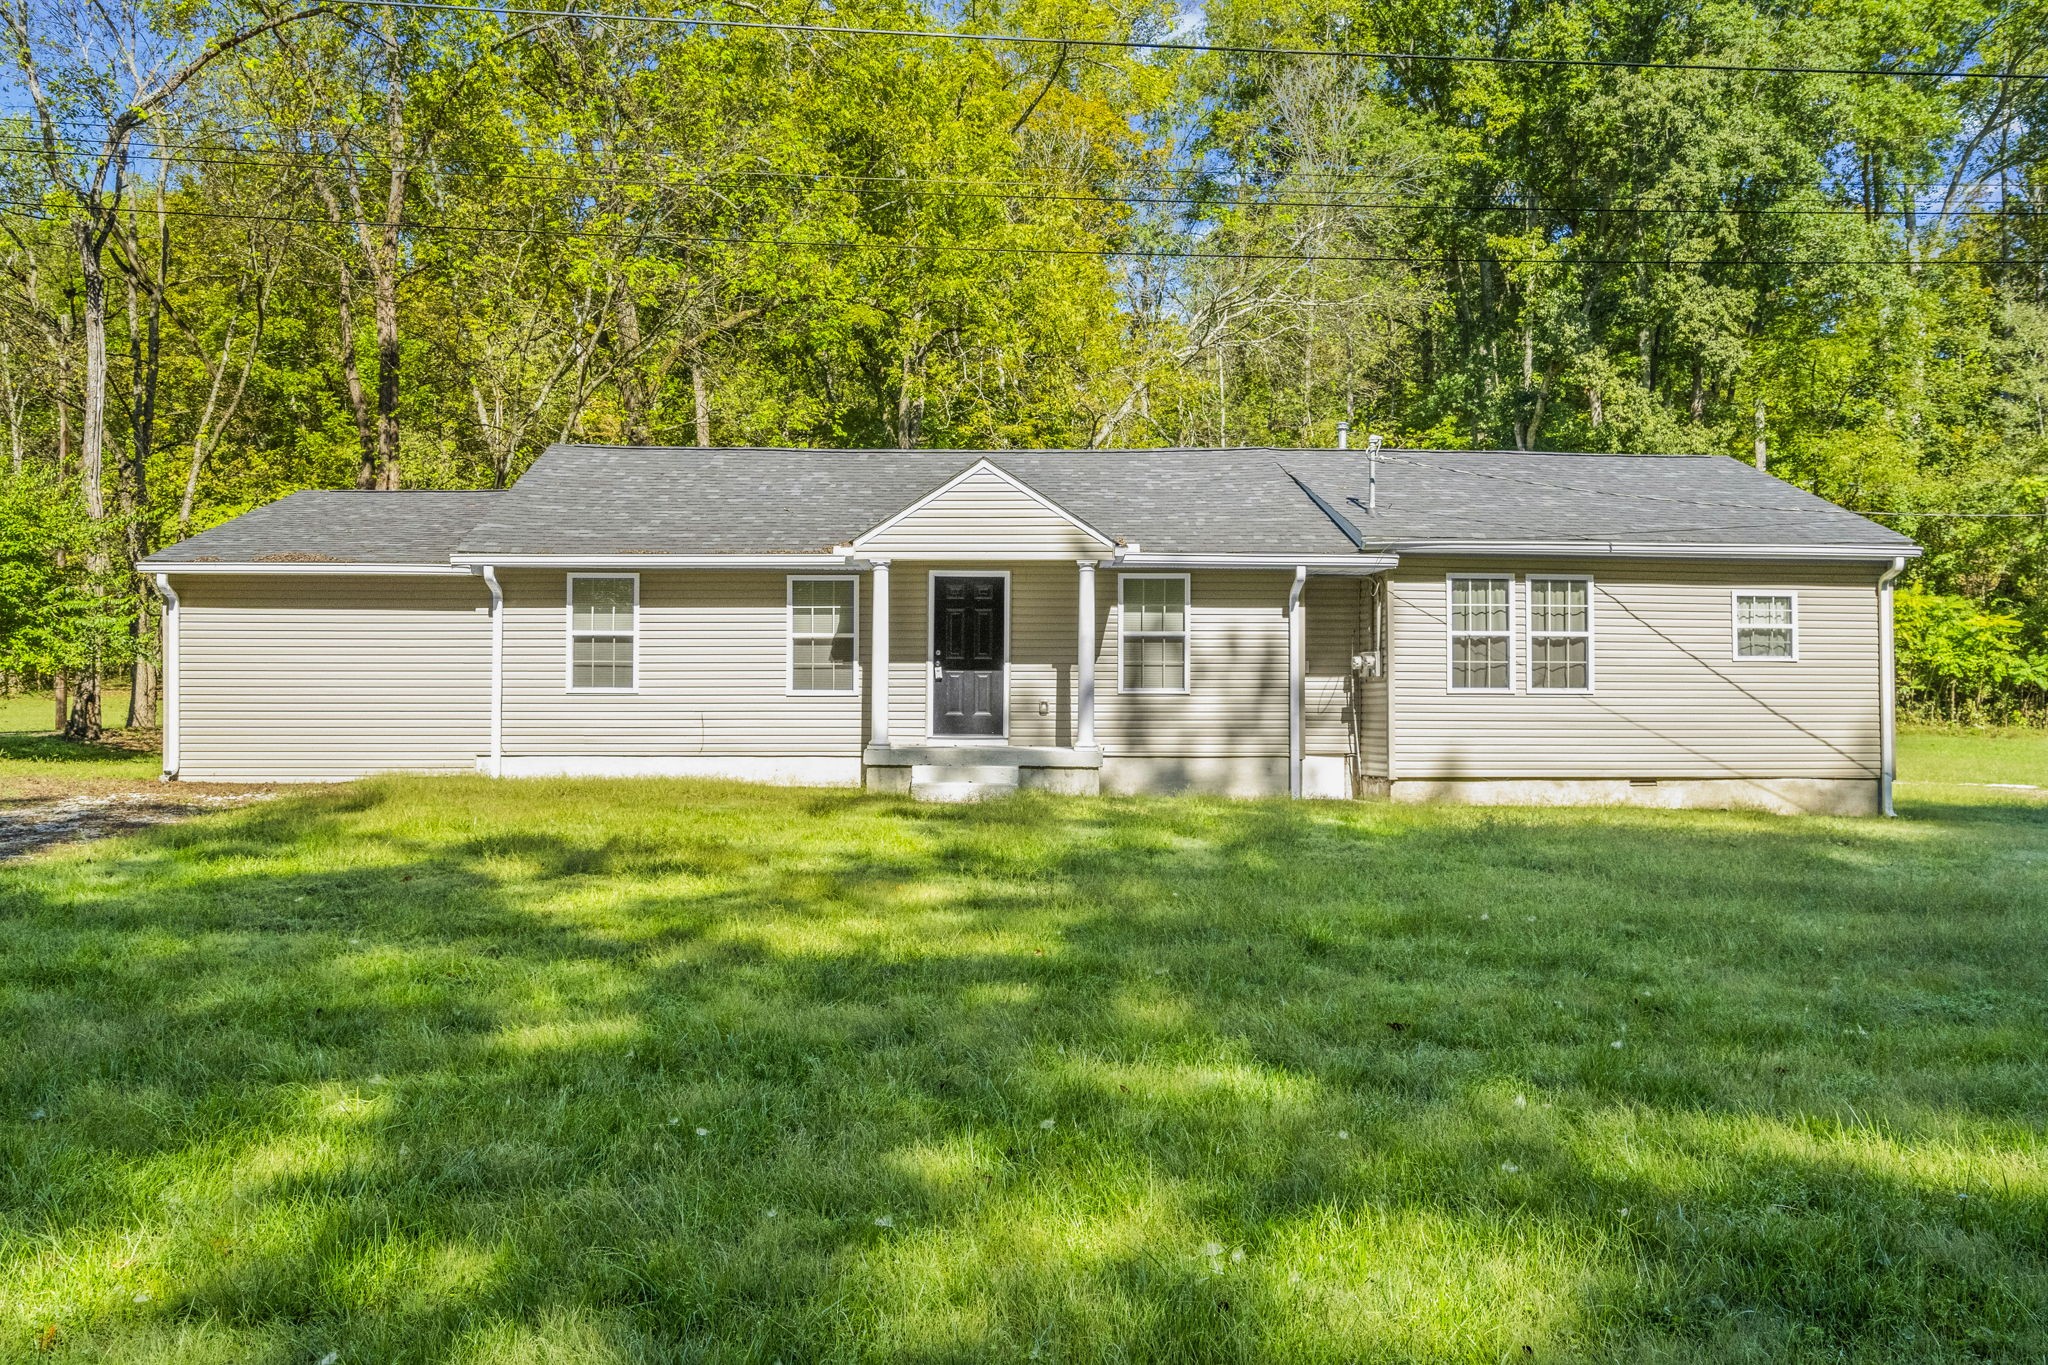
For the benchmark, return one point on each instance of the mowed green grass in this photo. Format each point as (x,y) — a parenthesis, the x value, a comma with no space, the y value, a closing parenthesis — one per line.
(443,1070)
(1953,756)
(31,755)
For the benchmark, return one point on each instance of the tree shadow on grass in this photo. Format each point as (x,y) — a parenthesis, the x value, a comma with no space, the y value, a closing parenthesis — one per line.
(33,747)
(395,1072)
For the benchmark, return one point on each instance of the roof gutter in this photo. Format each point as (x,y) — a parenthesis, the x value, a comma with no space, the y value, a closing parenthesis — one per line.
(1314,564)
(1615,549)
(465,562)
(293,566)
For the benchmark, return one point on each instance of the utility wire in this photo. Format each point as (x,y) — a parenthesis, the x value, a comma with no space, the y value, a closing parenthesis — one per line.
(582,180)
(1169,45)
(38,210)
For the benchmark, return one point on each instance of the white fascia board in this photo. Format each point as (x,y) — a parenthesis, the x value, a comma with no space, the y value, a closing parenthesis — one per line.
(296,566)
(790,561)
(1648,550)
(1316,564)
(990,467)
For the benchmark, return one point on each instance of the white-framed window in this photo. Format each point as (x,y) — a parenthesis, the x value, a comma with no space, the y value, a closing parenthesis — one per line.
(1152,632)
(604,632)
(1766,625)
(1482,633)
(824,625)
(1560,634)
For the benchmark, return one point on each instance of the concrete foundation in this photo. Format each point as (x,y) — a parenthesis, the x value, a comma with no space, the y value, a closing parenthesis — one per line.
(1782,795)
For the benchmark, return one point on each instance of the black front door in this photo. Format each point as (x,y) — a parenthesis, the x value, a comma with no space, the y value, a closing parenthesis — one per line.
(967,655)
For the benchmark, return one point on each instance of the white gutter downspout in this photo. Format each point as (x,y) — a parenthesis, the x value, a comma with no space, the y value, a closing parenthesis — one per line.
(170,596)
(1296,664)
(1888,763)
(497,761)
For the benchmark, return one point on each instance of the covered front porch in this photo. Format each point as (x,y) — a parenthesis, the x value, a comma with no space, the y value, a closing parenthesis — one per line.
(1118,672)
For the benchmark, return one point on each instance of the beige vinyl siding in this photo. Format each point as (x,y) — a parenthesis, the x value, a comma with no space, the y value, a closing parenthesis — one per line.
(319,678)
(1044,644)
(1374,759)
(1668,700)
(712,678)
(1333,606)
(1236,705)
(989,513)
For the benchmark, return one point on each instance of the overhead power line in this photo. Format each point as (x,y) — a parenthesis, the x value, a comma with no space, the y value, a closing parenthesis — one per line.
(39,210)
(222,155)
(1171,45)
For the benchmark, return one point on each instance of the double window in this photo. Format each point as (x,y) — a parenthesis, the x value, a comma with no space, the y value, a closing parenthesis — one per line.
(1152,632)
(822,631)
(1766,625)
(604,630)
(1482,633)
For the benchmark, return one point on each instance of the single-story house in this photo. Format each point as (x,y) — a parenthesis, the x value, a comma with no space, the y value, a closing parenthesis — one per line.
(1415,624)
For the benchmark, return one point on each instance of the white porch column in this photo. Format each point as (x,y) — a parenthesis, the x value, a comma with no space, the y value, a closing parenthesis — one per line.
(1084,687)
(878,665)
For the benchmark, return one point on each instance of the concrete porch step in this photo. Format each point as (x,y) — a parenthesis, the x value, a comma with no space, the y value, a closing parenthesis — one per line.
(955,782)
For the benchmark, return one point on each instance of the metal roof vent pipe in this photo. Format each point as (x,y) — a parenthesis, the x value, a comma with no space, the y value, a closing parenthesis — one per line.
(1372,473)
(1343,435)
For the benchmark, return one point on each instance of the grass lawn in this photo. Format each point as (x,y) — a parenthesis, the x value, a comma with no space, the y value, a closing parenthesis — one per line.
(443,1070)
(1931,754)
(36,762)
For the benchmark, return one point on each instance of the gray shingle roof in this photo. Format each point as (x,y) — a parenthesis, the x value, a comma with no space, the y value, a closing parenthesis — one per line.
(628,500)
(1508,496)
(625,500)
(648,499)
(414,526)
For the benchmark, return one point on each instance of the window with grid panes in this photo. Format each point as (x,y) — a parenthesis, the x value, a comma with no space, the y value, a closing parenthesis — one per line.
(1560,634)
(1154,633)
(602,621)
(821,634)
(1482,634)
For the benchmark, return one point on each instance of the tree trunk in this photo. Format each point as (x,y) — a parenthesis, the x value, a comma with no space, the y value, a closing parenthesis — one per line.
(385,262)
(92,442)
(700,389)
(352,380)
(633,396)
(142,676)
(1762,454)
(386,293)
(60,693)
(84,722)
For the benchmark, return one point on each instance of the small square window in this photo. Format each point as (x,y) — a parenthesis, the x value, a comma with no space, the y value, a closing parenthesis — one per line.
(1766,625)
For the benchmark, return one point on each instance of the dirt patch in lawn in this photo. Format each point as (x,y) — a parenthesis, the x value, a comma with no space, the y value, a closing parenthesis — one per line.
(28,825)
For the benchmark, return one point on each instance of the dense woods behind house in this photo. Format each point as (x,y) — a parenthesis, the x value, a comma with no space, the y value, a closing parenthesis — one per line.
(247,249)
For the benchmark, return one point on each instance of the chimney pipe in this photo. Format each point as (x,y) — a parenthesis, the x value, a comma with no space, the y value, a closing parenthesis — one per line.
(1343,435)
(1372,473)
